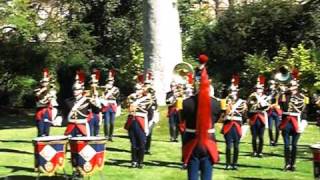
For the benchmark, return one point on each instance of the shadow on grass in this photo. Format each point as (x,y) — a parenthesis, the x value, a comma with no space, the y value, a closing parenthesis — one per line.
(15,141)
(16,122)
(121,136)
(248,166)
(112,149)
(253,178)
(152,163)
(15,151)
(18,168)
(23,177)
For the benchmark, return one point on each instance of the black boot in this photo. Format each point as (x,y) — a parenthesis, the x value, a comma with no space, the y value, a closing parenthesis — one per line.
(134,157)
(293,158)
(235,158)
(111,132)
(148,144)
(254,147)
(260,147)
(228,159)
(287,165)
(140,157)
(271,137)
(106,130)
(277,136)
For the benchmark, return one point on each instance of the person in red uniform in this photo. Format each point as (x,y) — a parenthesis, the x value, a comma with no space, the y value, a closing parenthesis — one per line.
(291,126)
(199,112)
(233,118)
(80,109)
(258,104)
(137,123)
(46,105)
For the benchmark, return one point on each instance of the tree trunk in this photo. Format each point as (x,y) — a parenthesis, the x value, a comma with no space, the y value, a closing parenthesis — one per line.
(162,43)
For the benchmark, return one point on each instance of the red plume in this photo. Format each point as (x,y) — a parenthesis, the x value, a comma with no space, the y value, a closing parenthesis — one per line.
(235,79)
(203,58)
(149,75)
(45,72)
(204,113)
(112,73)
(261,79)
(295,73)
(81,76)
(140,78)
(98,74)
(190,78)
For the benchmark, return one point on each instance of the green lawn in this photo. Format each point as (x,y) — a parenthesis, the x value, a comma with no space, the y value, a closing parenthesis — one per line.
(16,155)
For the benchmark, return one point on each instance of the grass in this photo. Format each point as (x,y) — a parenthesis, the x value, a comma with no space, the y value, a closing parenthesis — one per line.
(17,160)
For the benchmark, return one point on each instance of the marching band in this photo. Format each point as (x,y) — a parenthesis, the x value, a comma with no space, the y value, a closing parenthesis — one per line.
(192,112)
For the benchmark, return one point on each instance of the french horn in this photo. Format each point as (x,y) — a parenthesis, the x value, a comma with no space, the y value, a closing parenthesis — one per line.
(283,75)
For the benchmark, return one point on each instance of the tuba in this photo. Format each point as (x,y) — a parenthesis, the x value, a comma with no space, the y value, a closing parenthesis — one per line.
(283,75)
(181,72)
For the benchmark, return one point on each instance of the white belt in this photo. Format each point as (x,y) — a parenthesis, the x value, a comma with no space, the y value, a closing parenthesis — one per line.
(291,113)
(235,118)
(141,114)
(194,130)
(78,121)
(112,101)
(46,120)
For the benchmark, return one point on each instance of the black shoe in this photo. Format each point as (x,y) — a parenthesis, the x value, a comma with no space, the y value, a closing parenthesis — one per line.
(110,139)
(140,165)
(184,166)
(287,167)
(260,155)
(271,143)
(147,152)
(234,167)
(228,167)
(292,168)
(134,164)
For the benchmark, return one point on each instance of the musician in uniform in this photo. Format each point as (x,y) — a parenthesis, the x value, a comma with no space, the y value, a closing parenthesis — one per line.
(137,123)
(233,118)
(274,112)
(292,125)
(258,104)
(110,105)
(199,112)
(95,122)
(151,111)
(80,109)
(46,102)
(173,100)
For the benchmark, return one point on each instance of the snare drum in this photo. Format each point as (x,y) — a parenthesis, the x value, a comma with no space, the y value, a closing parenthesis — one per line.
(87,153)
(49,153)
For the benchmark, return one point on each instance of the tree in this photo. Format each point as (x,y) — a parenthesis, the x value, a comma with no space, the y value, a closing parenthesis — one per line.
(255,28)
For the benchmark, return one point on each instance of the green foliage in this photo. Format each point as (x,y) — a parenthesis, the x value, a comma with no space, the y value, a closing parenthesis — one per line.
(91,34)
(259,28)
(297,57)
(194,23)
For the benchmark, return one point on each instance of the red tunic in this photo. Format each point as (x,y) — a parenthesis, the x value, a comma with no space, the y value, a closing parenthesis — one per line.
(287,119)
(259,117)
(131,118)
(41,111)
(81,127)
(228,125)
